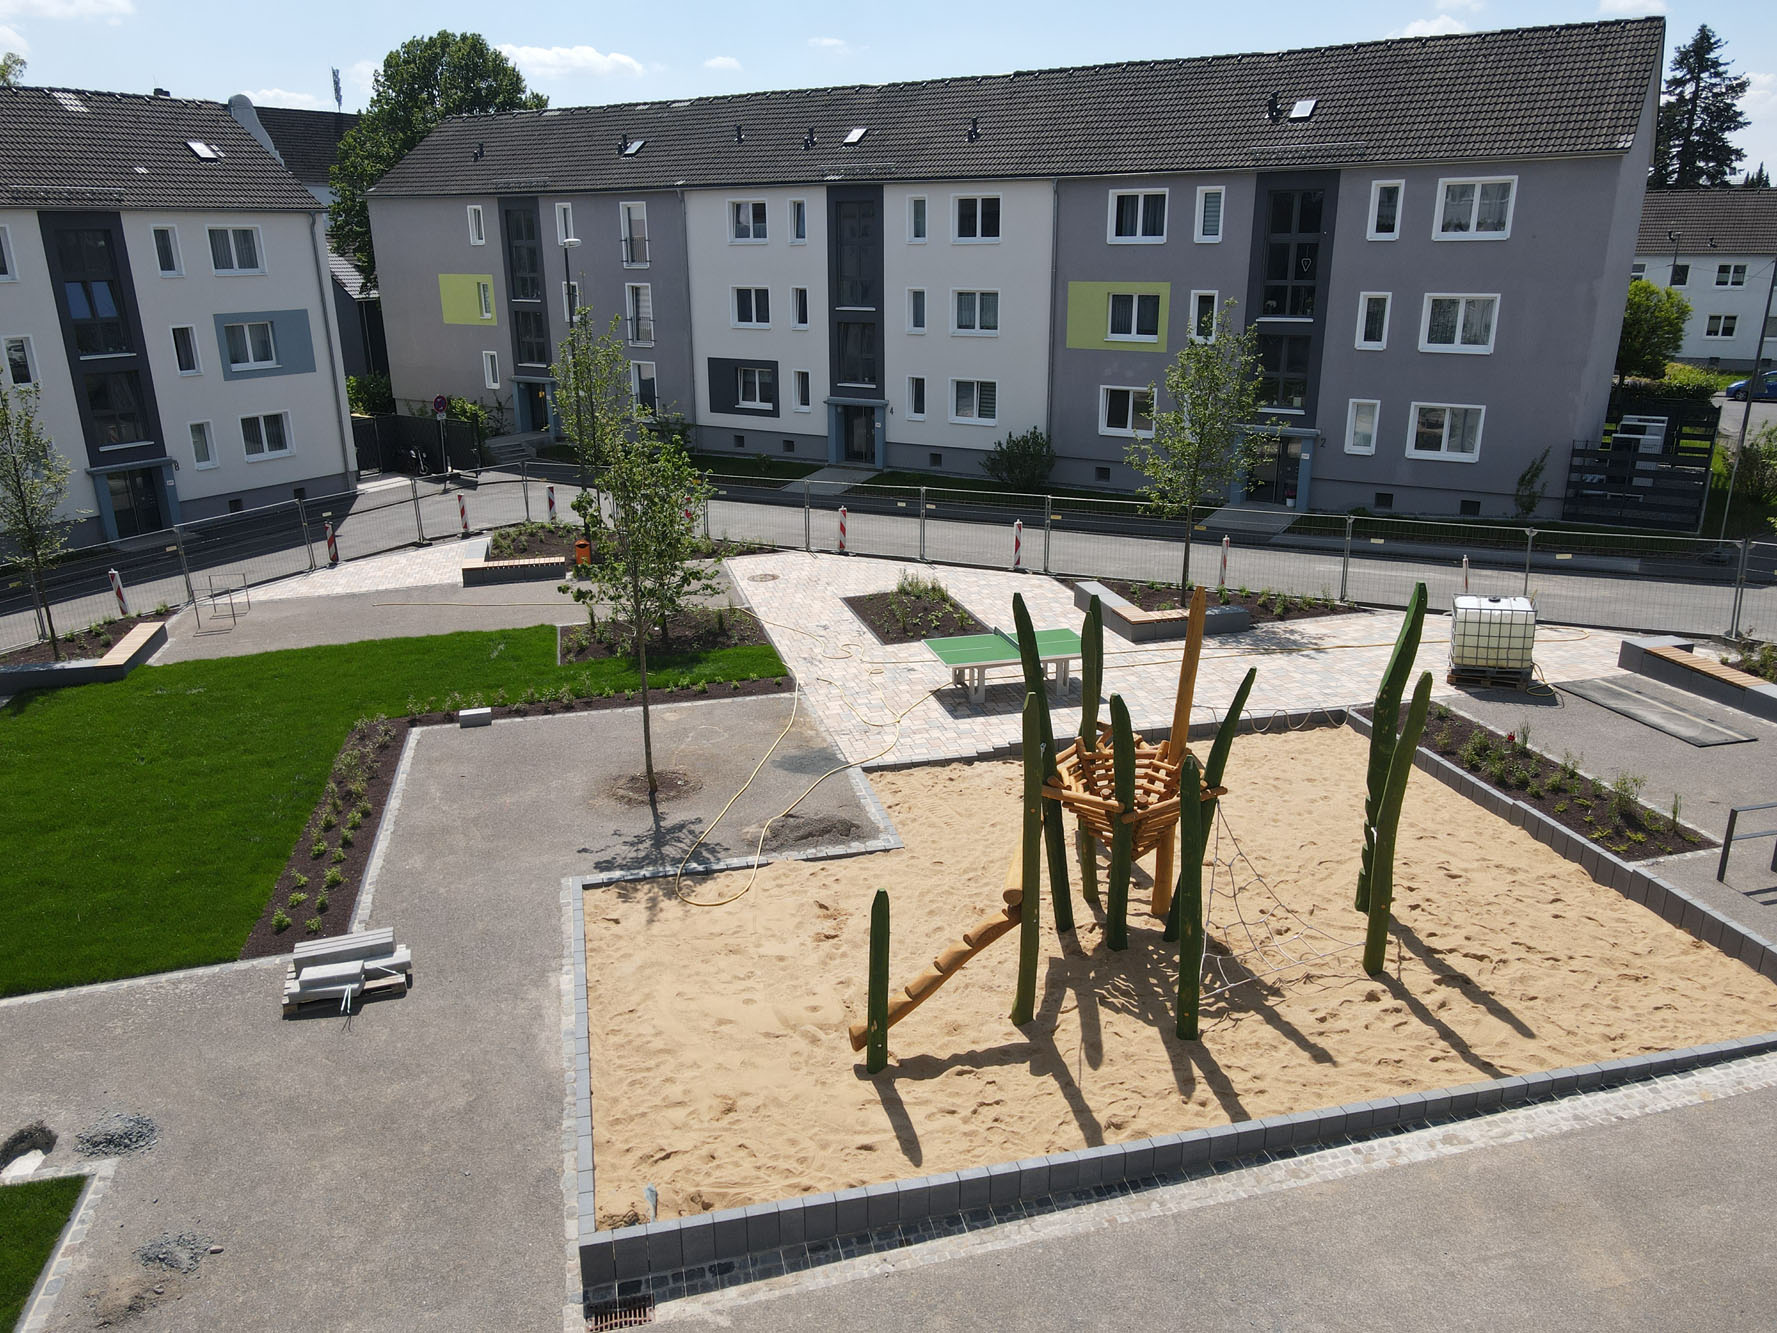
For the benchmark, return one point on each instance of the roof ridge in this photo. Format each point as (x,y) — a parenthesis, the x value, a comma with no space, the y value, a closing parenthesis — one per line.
(156,98)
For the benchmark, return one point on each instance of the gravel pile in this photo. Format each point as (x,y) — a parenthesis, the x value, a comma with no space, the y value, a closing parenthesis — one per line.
(179,1252)
(117,1135)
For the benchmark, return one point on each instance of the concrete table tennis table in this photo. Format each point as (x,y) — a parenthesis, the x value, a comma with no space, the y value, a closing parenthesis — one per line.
(971,656)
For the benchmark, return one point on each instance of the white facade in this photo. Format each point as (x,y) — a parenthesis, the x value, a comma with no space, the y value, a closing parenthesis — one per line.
(1727,295)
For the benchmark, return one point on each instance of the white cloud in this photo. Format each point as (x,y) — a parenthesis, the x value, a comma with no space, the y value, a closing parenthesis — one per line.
(283,97)
(721,62)
(1461,6)
(1442,24)
(11,39)
(837,45)
(1628,8)
(554,62)
(66,9)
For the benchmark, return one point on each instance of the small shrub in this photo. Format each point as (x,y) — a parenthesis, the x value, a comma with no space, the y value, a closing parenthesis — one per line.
(337,856)
(333,879)
(1445,740)
(1021,461)
(345,837)
(1476,750)
(279,922)
(313,925)
(1560,806)
(300,881)
(354,820)
(328,821)
(320,902)
(318,848)
(1625,794)
(296,900)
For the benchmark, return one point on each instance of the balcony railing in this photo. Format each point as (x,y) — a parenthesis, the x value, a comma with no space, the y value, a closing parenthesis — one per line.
(641,329)
(635,249)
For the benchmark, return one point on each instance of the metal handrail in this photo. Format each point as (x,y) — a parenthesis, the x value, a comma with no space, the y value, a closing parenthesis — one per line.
(1727,843)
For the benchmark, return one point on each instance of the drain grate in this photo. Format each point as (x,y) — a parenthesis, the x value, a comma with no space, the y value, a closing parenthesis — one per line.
(621,1314)
(762,578)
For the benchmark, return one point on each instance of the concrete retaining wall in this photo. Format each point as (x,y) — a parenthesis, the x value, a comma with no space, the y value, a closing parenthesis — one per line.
(114,665)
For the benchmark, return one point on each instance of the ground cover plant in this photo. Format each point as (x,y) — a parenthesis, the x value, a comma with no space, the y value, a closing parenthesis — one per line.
(148,819)
(1756,659)
(919,607)
(1265,604)
(32,1215)
(529,541)
(696,628)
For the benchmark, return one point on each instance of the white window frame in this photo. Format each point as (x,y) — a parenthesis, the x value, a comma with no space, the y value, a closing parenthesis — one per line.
(1637,270)
(1197,233)
(570,300)
(1400,203)
(264,454)
(1135,298)
(919,415)
(197,356)
(632,313)
(1215,310)
(760,374)
(477,225)
(758,228)
(925,310)
(1444,456)
(734,319)
(1131,431)
(1458,348)
(635,384)
(30,360)
(178,269)
(209,445)
(956,238)
(1721,326)
(801,391)
(1437,217)
(248,325)
(799,307)
(564,222)
(1387,299)
(1730,275)
(1351,407)
(9,271)
(924,214)
(624,208)
(798,206)
(956,328)
(490,369)
(976,420)
(237,271)
(1110,222)
(484,296)
(1672,276)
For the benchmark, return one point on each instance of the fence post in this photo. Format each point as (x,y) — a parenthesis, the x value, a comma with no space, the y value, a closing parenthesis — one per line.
(1048,527)
(185,568)
(419,524)
(1017,546)
(1345,561)
(1223,581)
(807,543)
(302,517)
(1529,546)
(706,518)
(524,484)
(922,523)
(1739,588)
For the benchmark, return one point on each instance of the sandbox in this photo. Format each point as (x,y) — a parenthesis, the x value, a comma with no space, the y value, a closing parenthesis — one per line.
(721,1073)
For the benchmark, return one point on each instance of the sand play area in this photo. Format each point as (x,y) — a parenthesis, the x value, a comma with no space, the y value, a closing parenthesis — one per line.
(721,1072)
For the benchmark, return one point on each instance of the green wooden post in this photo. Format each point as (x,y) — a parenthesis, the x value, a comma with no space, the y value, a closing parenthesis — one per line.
(1030,920)
(1091,686)
(1054,832)
(1383,721)
(1212,777)
(1116,934)
(1388,820)
(876,1011)
(1188,904)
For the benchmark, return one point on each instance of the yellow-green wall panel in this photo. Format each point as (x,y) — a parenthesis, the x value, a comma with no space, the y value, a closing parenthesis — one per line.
(459,297)
(1088,315)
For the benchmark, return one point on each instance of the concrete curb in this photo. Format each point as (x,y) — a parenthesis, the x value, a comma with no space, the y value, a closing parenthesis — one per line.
(40,1305)
(87,671)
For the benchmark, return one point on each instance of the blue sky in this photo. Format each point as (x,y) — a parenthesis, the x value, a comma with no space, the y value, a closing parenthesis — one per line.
(579,53)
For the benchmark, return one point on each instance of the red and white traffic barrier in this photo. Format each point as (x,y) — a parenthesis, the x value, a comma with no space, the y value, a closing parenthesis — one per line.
(463,513)
(123,607)
(332,546)
(1465,575)
(552,504)
(1223,582)
(1017,544)
(841,529)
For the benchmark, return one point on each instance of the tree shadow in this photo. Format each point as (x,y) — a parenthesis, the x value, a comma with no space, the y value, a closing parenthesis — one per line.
(1397,988)
(1460,981)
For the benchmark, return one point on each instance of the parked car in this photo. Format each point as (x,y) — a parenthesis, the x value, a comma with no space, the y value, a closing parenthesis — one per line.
(1766,393)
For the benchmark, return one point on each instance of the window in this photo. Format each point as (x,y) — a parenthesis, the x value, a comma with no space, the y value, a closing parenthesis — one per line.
(1637,272)
(1203,316)
(754,387)
(250,346)
(1385,210)
(857,354)
(934,460)
(977,312)
(21,367)
(92,291)
(490,369)
(185,349)
(747,221)
(1209,215)
(916,220)
(530,336)
(1730,275)
(642,385)
(114,409)
(1681,275)
(1138,217)
(235,250)
(633,218)
(1458,324)
(477,226)
(265,436)
(1134,317)
(1125,411)
(484,296)
(789,446)
(1101,474)
(975,402)
(1360,425)
(1293,239)
(638,313)
(1283,371)
(1384,500)
(524,256)
(916,397)
(1721,326)
(916,310)
(203,451)
(978,217)
(798,222)
(1468,508)
(1372,321)
(799,307)
(752,307)
(564,223)
(9,274)
(166,252)
(1445,430)
(570,300)
(1475,210)
(804,393)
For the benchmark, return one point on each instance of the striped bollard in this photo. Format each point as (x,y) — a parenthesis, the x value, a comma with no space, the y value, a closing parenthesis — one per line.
(463,513)
(1017,545)
(841,529)
(1465,575)
(1224,579)
(332,546)
(552,504)
(123,607)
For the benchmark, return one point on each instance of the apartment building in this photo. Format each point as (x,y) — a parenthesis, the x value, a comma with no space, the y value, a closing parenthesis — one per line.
(164,285)
(1716,248)
(1424,232)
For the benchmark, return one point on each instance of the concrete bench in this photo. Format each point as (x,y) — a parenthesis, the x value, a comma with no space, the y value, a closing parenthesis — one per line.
(479,573)
(134,648)
(1123,617)
(1674,661)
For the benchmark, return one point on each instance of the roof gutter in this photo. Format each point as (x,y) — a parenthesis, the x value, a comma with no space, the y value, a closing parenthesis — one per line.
(342,417)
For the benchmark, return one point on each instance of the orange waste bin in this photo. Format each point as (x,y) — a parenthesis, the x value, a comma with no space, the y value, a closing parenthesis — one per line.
(582,552)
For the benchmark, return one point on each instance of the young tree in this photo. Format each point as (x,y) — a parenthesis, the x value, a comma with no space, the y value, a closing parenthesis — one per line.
(1653,329)
(595,404)
(1206,438)
(33,483)
(12,69)
(1700,109)
(421,82)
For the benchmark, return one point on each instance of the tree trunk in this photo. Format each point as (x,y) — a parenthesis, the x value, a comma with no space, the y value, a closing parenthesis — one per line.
(1184,578)
(55,644)
(635,585)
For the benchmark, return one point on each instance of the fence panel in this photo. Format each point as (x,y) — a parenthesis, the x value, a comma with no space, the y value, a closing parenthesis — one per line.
(251,547)
(744,509)
(977,527)
(365,522)
(879,520)
(1757,617)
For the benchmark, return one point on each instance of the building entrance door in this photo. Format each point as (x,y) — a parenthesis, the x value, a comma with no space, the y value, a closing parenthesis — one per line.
(135,501)
(1273,476)
(857,433)
(533,404)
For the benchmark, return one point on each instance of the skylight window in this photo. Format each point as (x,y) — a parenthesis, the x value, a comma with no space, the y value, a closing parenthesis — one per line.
(857,135)
(1303,108)
(633,147)
(202,150)
(68,101)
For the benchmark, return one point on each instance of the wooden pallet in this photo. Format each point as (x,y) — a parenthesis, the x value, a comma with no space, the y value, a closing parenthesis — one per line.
(1490,678)
(400,983)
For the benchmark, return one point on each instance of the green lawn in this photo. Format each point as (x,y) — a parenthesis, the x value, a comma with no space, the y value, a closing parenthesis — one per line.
(147,820)
(32,1215)
(934,483)
(763,466)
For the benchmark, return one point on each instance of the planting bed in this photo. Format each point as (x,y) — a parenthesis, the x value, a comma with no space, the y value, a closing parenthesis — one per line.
(918,608)
(1264,605)
(92,641)
(721,1073)
(695,630)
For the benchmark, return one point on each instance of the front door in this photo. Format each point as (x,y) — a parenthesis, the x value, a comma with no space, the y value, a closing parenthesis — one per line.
(1275,471)
(135,500)
(857,429)
(533,405)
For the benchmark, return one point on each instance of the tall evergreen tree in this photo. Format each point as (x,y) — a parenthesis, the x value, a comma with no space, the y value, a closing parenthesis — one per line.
(1700,109)
(1757,179)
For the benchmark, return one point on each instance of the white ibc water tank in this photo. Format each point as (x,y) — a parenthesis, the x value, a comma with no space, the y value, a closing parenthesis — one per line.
(1497,633)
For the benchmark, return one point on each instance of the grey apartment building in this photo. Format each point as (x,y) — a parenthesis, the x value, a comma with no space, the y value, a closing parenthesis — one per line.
(1432,236)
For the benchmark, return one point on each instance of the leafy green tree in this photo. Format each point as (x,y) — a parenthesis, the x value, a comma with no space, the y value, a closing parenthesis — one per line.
(1653,329)
(1022,461)
(1700,109)
(594,401)
(12,69)
(1206,439)
(33,484)
(421,82)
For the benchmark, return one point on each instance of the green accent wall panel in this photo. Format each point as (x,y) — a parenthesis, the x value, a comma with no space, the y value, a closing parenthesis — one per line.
(459,297)
(1088,315)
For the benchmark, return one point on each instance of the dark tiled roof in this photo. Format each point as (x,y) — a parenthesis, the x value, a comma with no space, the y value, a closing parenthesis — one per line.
(346,274)
(125,150)
(308,141)
(1738,221)
(1528,92)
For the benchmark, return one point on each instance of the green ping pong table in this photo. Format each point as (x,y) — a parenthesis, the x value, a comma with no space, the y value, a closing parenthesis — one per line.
(971,656)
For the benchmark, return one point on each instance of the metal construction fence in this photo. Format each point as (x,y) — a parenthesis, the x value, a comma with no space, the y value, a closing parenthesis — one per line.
(1619,580)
